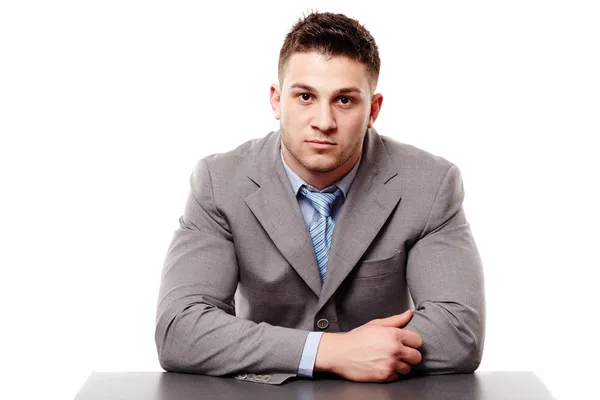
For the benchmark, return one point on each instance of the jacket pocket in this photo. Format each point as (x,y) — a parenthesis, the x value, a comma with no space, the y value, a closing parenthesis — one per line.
(374,268)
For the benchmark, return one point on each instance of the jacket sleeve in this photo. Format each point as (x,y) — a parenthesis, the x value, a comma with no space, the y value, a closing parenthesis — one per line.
(196,327)
(445,279)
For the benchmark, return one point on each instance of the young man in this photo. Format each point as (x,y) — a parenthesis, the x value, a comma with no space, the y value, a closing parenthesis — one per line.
(296,252)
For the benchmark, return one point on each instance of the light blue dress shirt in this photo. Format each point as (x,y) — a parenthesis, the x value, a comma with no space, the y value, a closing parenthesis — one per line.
(311,346)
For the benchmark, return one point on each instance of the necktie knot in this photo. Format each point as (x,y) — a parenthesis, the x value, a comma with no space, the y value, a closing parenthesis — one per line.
(322,201)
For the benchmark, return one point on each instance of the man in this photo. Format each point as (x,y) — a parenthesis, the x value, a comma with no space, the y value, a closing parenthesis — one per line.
(296,252)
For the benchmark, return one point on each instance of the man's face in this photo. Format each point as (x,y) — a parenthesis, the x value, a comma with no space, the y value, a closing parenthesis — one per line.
(324,107)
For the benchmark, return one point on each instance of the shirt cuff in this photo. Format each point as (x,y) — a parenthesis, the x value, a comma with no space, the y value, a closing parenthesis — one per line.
(309,354)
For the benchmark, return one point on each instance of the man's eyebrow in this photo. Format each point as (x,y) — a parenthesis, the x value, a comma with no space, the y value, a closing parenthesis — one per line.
(348,90)
(302,86)
(308,88)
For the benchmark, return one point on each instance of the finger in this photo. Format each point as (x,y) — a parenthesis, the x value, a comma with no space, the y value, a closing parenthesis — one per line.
(395,321)
(402,368)
(411,356)
(411,339)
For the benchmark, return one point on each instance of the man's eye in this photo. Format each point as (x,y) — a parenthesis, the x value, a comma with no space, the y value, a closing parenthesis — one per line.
(305,96)
(345,100)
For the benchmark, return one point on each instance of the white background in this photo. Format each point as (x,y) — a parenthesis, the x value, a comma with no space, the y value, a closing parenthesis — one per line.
(106,106)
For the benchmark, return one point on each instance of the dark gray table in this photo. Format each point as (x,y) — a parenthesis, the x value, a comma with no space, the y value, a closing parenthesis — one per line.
(168,385)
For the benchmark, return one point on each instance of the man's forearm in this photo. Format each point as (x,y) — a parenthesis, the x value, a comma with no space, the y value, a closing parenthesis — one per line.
(453,337)
(206,340)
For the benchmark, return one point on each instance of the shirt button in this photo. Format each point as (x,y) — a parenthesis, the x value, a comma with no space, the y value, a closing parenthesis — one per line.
(322,323)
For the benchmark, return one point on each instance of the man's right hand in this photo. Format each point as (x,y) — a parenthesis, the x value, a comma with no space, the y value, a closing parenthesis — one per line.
(375,352)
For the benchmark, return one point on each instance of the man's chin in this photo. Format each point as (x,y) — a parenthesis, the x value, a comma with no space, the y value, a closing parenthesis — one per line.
(321,170)
(320,166)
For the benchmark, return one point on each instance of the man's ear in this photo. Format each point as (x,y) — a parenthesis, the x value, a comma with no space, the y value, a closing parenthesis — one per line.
(275,98)
(376,102)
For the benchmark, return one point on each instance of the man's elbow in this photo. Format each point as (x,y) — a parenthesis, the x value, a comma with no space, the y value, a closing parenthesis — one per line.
(171,357)
(176,364)
(178,360)
(176,355)
(168,362)
(471,356)
(166,359)
(468,364)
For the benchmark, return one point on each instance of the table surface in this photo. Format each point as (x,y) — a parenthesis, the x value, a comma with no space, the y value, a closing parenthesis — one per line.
(168,385)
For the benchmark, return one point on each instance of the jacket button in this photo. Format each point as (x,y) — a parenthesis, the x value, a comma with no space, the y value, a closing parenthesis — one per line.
(322,323)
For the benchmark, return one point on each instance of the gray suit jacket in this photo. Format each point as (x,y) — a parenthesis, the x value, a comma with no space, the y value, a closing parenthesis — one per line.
(240,287)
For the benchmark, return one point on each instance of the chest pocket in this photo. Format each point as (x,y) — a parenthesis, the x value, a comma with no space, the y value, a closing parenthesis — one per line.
(381,267)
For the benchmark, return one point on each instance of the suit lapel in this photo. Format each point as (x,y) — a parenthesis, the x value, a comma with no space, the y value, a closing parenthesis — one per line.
(277,210)
(374,194)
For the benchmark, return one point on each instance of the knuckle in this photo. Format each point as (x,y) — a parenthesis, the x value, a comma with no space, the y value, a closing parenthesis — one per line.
(400,351)
(398,334)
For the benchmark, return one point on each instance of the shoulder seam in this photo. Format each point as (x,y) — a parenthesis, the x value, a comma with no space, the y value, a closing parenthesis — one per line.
(212,189)
(435,199)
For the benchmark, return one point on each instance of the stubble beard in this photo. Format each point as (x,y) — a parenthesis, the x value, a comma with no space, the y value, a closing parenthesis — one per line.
(318,167)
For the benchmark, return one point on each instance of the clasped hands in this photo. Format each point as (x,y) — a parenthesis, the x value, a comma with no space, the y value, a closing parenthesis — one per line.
(377,351)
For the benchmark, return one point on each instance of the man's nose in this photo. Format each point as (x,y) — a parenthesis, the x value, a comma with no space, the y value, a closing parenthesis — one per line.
(324,119)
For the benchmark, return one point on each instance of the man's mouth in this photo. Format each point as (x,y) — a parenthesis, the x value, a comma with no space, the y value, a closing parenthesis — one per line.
(321,142)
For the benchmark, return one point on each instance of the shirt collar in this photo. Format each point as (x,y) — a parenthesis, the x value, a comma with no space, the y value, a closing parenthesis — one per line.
(344,183)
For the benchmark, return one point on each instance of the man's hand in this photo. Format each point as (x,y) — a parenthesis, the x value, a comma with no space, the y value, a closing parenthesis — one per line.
(375,352)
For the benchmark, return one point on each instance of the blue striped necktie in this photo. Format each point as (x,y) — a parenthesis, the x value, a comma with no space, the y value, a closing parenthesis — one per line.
(321,229)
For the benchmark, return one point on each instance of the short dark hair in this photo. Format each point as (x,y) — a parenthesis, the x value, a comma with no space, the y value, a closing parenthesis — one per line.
(331,35)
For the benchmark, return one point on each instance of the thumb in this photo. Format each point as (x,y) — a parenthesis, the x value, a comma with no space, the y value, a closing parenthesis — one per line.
(395,321)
